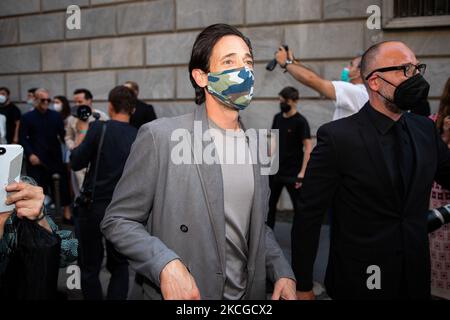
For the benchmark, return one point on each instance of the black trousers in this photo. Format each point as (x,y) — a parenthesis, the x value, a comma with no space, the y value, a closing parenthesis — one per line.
(91,253)
(277,183)
(43,177)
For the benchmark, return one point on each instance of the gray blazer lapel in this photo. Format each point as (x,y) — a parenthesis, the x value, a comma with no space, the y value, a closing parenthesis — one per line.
(211,180)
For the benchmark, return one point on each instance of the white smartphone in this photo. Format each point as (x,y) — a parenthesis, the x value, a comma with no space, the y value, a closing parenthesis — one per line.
(11,156)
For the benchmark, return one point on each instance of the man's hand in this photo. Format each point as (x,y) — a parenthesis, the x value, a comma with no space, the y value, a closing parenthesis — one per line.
(177,283)
(282,55)
(299,182)
(284,289)
(28,199)
(34,160)
(306,295)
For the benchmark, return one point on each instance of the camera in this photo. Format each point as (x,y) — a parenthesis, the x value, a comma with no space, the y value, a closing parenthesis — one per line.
(83,112)
(2,151)
(84,200)
(438,217)
(272,64)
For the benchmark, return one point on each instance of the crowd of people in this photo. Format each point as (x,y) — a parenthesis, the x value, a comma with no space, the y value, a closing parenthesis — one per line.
(202,230)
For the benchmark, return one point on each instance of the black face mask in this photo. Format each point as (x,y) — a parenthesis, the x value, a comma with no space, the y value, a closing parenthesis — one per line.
(411,93)
(284,107)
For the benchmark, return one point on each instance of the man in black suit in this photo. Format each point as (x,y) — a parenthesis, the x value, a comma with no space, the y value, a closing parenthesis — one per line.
(144,112)
(375,170)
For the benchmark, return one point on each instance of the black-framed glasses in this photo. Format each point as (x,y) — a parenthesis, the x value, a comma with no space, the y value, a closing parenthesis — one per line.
(408,69)
(45,100)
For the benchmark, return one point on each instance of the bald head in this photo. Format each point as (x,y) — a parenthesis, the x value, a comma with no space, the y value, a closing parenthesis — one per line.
(42,99)
(385,54)
(41,92)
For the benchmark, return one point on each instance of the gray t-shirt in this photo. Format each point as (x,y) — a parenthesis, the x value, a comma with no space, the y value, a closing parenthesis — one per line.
(238,185)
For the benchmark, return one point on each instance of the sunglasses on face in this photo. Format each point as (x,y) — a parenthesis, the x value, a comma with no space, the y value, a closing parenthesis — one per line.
(409,69)
(45,100)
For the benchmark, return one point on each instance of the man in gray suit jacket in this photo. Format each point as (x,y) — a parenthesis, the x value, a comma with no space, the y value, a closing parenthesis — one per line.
(197,230)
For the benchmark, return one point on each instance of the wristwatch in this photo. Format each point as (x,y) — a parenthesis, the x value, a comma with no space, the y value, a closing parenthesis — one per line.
(287,62)
(41,215)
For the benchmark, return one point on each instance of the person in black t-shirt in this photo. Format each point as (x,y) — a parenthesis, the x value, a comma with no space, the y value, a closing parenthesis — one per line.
(12,114)
(118,138)
(143,113)
(294,150)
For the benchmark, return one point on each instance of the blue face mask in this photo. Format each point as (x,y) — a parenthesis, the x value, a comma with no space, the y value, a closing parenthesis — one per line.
(345,75)
(233,88)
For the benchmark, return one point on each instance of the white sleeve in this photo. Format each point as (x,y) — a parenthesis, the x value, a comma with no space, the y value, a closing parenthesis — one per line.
(2,129)
(350,97)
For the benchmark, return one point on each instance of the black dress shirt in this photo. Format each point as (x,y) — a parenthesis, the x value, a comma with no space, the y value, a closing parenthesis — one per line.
(397,148)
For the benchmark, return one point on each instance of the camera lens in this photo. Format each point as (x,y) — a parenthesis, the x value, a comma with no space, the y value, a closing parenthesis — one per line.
(2,151)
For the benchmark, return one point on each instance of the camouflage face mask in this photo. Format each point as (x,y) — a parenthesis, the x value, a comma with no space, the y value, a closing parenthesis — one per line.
(233,88)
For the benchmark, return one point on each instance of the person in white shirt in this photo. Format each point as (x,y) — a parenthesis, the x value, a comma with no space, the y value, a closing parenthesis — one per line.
(2,129)
(349,94)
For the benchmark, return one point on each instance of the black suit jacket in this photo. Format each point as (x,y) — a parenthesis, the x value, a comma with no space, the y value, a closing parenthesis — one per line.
(143,114)
(371,223)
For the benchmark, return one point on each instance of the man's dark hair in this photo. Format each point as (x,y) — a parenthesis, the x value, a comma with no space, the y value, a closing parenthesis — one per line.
(5,89)
(32,90)
(122,99)
(289,93)
(87,94)
(202,49)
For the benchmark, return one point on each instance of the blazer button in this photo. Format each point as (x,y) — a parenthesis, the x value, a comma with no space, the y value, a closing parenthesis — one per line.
(184,228)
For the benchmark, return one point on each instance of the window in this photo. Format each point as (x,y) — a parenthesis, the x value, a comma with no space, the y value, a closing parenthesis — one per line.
(421,8)
(415,13)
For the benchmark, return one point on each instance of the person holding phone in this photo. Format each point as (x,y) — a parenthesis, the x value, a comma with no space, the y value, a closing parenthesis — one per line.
(28,201)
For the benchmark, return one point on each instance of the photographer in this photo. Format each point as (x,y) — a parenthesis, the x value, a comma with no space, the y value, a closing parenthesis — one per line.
(78,123)
(349,94)
(108,143)
(77,126)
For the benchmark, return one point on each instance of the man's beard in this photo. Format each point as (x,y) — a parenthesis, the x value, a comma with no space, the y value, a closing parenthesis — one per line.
(391,106)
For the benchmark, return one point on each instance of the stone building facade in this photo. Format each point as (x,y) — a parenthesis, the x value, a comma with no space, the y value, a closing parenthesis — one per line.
(150,42)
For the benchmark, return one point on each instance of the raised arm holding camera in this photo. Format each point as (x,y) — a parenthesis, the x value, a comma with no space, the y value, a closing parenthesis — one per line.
(349,94)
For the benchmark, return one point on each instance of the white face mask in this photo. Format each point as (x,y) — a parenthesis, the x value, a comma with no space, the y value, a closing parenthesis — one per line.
(30,102)
(57,107)
(2,99)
